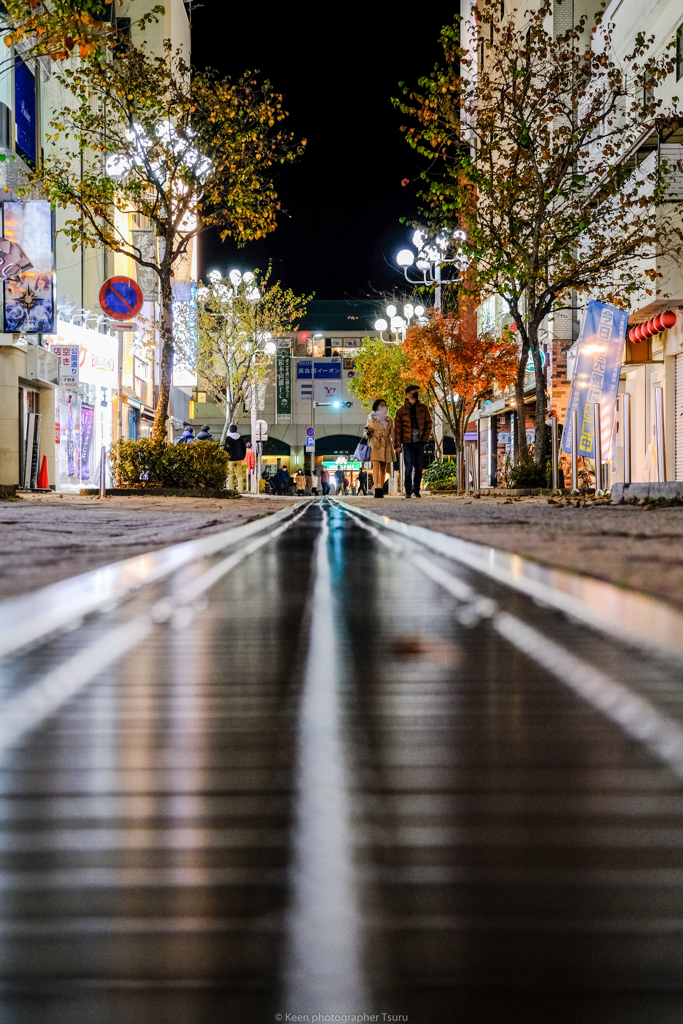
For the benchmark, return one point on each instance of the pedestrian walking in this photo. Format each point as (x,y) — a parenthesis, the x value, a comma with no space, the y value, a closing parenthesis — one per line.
(187,436)
(236,447)
(362,482)
(204,434)
(325,481)
(412,430)
(281,480)
(379,429)
(339,479)
(300,481)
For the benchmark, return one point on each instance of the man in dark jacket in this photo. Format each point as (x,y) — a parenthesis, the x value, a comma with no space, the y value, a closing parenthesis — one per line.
(412,430)
(236,447)
(187,437)
(204,434)
(362,481)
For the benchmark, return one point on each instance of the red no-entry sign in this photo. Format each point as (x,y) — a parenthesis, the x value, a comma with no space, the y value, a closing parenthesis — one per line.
(121,298)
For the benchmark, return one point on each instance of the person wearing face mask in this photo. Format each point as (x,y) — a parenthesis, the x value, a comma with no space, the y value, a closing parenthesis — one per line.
(413,430)
(379,429)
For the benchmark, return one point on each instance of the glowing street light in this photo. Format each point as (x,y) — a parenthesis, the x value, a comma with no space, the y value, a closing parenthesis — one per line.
(431,255)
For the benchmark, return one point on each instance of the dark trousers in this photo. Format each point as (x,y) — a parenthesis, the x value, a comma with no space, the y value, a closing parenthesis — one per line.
(413,461)
(326,488)
(362,488)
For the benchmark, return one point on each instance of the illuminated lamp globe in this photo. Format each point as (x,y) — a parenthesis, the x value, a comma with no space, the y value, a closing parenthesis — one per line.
(405,258)
(235,278)
(270,348)
(336,405)
(408,310)
(248,277)
(417,239)
(391,310)
(668,319)
(380,325)
(214,276)
(422,264)
(419,311)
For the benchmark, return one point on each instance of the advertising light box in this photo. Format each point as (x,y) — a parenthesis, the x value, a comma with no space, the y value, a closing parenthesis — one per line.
(29,297)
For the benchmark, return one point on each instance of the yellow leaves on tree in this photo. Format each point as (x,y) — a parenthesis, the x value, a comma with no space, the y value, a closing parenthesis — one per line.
(379,368)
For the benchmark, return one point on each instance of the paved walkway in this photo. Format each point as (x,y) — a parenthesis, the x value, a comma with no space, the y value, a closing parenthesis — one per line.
(322,771)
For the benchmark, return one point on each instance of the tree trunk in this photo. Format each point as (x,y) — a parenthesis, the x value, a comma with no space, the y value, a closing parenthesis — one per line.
(519,440)
(166,330)
(541,445)
(229,412)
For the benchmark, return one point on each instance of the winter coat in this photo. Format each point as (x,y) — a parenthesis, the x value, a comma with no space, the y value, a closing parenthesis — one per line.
(379,439)
(187,437)
(403,430)
(324,477)
(236,447)
(204,435)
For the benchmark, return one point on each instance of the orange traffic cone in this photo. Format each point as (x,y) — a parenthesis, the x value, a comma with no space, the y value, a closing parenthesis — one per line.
(43,482)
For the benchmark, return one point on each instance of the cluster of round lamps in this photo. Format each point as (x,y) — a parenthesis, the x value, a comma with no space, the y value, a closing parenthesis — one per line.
(659,323)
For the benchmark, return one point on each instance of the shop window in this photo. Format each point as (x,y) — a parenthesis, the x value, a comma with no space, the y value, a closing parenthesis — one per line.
(25,112)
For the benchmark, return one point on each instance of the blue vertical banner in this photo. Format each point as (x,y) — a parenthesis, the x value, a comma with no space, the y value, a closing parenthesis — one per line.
(596,377)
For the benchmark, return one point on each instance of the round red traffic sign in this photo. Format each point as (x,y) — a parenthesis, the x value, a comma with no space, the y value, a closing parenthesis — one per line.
(121,298)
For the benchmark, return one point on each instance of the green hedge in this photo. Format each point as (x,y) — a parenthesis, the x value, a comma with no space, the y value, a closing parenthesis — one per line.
(441,476)
(148,463)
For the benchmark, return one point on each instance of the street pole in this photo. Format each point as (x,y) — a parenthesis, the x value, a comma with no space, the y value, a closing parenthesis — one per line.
(254,416)
(553,439)
(437,289)
(575,450)
(659,434)
(626,424)
(312,419)
(597,447)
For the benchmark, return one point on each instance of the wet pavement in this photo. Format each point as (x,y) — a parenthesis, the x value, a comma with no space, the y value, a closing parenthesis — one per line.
(337,774)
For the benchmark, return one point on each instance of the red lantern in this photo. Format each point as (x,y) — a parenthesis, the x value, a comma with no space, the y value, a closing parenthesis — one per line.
(638,333)
(632,335)
(648,329)
(657,321)
(668,319)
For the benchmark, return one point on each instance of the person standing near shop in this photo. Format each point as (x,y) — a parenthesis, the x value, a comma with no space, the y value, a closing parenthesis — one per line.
(362,481)
(325,480)
(412,430)
(236,447)
(379,429)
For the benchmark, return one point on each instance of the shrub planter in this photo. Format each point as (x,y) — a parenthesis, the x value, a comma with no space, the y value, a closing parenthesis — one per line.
(163,492)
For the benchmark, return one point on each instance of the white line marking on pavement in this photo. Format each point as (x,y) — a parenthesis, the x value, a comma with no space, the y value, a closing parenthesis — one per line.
(31,617)
(31,707)
(638,718)
(637,619)
(324,968)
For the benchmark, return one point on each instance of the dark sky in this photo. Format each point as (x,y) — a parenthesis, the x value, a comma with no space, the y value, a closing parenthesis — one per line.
(338,65)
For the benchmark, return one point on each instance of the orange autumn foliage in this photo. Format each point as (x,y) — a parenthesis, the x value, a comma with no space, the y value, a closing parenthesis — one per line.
(458,368)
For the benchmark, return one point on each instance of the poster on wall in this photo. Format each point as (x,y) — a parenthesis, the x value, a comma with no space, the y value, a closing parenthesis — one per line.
(29,297)
(596,377)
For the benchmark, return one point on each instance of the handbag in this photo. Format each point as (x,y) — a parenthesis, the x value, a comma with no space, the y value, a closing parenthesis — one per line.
(362,452)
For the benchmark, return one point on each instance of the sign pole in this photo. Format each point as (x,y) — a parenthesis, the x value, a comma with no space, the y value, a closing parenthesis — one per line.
(597,448)
(575,450)
(626,423)
(553,439)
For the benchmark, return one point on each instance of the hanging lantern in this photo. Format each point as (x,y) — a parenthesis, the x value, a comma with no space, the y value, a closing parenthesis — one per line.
(632,335)
(668,319)
(638,332)
(648,329)
(659,326)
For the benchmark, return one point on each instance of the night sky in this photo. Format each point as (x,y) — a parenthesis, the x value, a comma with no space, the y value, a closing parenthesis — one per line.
(338,65)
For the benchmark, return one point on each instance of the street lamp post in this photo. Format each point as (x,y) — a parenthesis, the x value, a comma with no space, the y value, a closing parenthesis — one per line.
(430,259)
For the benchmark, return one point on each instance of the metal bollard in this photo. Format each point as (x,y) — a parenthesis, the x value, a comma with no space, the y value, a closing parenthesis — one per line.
(659,431)
(575,450)
(626,426)
(458,469)
(553,442)
(597,448)
(103,472)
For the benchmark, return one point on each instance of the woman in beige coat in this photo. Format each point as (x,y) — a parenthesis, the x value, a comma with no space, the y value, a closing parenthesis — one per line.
(379,429)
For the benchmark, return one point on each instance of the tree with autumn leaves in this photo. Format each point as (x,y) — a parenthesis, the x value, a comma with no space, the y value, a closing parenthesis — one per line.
(186,151)
(456,367)
(529,136)
(64,28)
